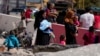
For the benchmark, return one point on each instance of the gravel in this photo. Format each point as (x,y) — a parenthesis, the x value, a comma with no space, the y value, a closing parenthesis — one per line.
(90,50)
(55,50)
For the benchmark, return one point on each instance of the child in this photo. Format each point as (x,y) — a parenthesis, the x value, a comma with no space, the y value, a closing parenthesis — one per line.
(11,41)
(76,22)
(62,40)
(22,23)
(89,37)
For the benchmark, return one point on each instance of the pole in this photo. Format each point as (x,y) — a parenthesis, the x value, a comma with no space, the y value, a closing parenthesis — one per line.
(17,3)
(5,6)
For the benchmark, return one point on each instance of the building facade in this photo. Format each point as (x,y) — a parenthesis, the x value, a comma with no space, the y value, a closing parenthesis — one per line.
(17,3)
(7,5)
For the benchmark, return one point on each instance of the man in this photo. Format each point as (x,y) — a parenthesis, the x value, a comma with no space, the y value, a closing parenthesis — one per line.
(87,19)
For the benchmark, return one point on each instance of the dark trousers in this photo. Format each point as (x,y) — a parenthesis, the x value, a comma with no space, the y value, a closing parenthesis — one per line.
(96,39)
(70,39)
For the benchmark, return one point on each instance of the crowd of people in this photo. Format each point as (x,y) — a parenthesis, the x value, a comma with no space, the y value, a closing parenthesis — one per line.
(72,22)
(43,23)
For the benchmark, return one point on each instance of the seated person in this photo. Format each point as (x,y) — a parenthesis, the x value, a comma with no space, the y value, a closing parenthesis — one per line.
(11,41)
(89,37)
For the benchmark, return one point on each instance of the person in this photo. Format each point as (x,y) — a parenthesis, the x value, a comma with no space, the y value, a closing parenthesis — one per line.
(76,18)
(89,37)
(43,25)
(25,39)
(60,17)
(28,13)
(70,28)
(51,12)
(38,19)
(87,19)
(96,20)
(76,22)
(11,41)
(62,40)
(22,23)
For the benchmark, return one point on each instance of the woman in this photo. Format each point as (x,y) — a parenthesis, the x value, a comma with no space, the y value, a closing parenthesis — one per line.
(70,28)
(44,30)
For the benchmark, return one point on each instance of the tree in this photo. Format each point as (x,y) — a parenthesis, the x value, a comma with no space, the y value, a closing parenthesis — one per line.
(87,3)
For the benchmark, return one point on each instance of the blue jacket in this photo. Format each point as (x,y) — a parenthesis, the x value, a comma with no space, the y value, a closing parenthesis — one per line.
(44,25)
(11,41)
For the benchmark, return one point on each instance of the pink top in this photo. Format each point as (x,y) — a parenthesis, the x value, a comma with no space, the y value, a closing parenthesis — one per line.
(62,42)
(97,21)
(76,22)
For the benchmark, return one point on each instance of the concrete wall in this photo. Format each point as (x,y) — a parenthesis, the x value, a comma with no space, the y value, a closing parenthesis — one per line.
(9,22)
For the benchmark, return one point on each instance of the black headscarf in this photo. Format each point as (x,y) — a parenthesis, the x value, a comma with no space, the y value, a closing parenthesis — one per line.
(38,18)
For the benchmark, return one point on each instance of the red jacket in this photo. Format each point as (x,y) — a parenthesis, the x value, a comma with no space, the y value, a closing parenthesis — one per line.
(28,13)
(97,21)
